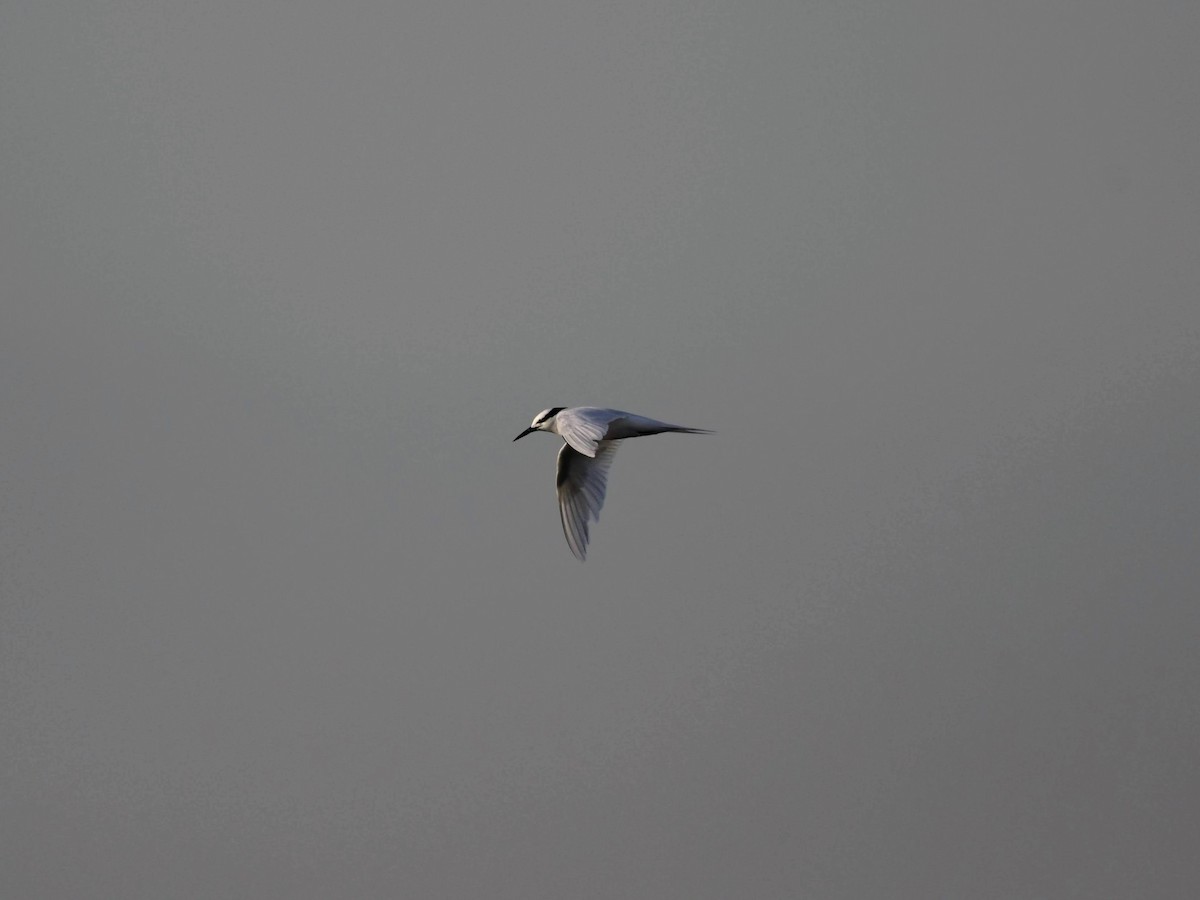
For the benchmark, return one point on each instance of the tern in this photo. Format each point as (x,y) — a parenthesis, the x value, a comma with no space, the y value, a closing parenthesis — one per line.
(591,436)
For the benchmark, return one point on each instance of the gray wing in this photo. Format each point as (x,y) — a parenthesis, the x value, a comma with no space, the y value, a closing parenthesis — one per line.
(582,482)
(584,427)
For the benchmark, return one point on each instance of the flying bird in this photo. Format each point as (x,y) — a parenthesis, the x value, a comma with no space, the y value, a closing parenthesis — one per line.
(591,436)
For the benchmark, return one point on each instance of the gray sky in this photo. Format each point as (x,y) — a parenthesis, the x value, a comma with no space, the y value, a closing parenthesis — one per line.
(286,613)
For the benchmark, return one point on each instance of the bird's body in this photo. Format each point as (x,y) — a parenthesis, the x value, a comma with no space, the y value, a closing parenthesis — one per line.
(591,436)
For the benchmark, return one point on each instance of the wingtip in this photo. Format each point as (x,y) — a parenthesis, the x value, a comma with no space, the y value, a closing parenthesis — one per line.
(577,550)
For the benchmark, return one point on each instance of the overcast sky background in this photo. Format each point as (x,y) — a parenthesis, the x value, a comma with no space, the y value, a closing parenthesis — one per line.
(285,612)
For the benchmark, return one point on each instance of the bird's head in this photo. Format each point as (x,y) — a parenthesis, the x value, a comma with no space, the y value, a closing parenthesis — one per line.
(543,421)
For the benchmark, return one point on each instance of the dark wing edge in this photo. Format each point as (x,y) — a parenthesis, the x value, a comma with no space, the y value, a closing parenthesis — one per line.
(582,482)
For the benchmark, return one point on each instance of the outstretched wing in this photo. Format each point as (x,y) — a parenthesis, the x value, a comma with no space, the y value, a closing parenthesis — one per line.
(582,482)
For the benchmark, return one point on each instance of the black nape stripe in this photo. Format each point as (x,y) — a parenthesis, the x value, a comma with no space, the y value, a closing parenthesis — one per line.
(551,413)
